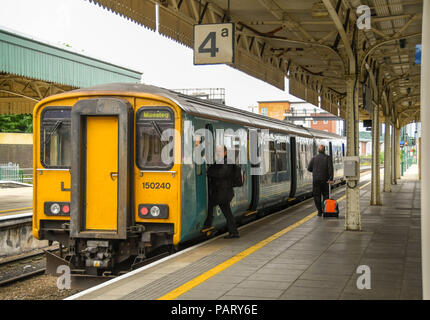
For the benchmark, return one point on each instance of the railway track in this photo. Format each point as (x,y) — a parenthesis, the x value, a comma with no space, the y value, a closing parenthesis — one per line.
(22,267)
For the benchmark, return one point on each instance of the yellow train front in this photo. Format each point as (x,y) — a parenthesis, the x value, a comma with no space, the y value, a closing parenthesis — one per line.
(116,178)
(100,187)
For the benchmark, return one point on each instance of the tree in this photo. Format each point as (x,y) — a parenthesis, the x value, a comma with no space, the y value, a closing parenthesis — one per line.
(16,123)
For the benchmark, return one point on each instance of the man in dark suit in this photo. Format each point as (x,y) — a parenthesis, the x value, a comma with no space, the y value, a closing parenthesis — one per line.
(321,167)
(221,191)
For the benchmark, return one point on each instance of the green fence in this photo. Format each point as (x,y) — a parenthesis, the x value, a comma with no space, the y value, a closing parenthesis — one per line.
(11,172)
(408,157)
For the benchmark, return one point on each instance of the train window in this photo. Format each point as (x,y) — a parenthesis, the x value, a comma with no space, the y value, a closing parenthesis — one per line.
(56,137)
(271,145)
(283,146)
(272,161)
(272,156)
(150,125)
(236,145)
(281,161)
(232,144)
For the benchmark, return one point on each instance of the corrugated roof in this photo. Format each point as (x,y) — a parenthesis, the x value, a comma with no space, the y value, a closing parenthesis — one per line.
(33,59)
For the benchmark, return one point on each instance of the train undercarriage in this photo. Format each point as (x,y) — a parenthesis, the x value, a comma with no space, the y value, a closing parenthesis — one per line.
(93,261)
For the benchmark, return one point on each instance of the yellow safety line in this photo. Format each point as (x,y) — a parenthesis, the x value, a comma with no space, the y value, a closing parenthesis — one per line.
(19,209)
(228,263)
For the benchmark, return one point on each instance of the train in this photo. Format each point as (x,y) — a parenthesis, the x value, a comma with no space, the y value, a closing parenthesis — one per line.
(104,190)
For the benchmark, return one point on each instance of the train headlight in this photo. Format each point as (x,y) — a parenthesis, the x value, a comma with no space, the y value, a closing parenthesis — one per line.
(155,211)
(55,208)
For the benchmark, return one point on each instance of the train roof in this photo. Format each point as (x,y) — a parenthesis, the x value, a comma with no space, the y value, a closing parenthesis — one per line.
(204,108)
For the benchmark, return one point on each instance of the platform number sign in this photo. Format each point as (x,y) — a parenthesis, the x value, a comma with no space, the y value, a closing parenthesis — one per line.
(214,43)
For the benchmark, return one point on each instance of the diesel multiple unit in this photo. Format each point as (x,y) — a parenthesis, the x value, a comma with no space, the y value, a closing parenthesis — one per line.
(103,187)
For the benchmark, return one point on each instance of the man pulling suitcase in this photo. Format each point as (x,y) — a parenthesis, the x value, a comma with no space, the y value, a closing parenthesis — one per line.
(321,167)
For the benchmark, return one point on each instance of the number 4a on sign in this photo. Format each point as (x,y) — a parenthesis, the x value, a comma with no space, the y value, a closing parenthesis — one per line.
(213,43)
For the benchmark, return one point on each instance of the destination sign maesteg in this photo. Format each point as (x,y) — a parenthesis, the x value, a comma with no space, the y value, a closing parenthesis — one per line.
(164,115)
(214,43)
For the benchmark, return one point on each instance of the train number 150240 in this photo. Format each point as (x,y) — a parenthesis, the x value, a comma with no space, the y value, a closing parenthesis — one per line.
(156,185)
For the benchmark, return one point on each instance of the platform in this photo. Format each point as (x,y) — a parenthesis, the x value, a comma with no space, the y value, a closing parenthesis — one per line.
(15,201)
(294,254)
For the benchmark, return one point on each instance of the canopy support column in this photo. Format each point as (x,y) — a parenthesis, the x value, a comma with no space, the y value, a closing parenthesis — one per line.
(387,157)
(375,195)
(352,215)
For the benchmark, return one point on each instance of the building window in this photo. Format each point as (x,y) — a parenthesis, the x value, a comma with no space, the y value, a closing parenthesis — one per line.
(315,121)
(325,121)
(264,111)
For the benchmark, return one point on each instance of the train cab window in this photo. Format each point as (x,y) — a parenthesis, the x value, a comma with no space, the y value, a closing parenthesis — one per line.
(151,123)
(56,137)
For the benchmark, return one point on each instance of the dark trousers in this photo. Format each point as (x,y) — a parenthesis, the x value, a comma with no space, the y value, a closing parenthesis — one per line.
(320,188)
(226,210)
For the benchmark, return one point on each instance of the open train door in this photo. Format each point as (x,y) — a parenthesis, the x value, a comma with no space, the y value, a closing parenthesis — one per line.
(293,153)
(101,168)
(255,178)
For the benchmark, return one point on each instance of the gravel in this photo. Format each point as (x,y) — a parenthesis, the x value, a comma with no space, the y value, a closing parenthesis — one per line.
(42,287)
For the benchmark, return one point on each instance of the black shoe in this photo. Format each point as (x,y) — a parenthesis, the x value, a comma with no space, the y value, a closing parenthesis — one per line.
(319,214)
(231,236)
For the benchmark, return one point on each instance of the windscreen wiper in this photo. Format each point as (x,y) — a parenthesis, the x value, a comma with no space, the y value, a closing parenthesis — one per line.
(158,130)
(58,124)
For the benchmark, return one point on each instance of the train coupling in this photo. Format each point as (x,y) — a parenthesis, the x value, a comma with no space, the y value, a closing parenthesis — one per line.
(97,254)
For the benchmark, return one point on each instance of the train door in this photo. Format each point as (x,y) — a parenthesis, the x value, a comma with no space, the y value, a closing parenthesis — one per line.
(332,155)
(293,171)
(210,156)
(101,172)
(255,178)
(202,137)
(101,164)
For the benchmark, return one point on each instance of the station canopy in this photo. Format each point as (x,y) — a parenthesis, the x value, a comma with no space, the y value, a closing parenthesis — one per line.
(31,70)
(311,42)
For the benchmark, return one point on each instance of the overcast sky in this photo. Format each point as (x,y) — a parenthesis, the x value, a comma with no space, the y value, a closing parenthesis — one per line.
(99,33)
